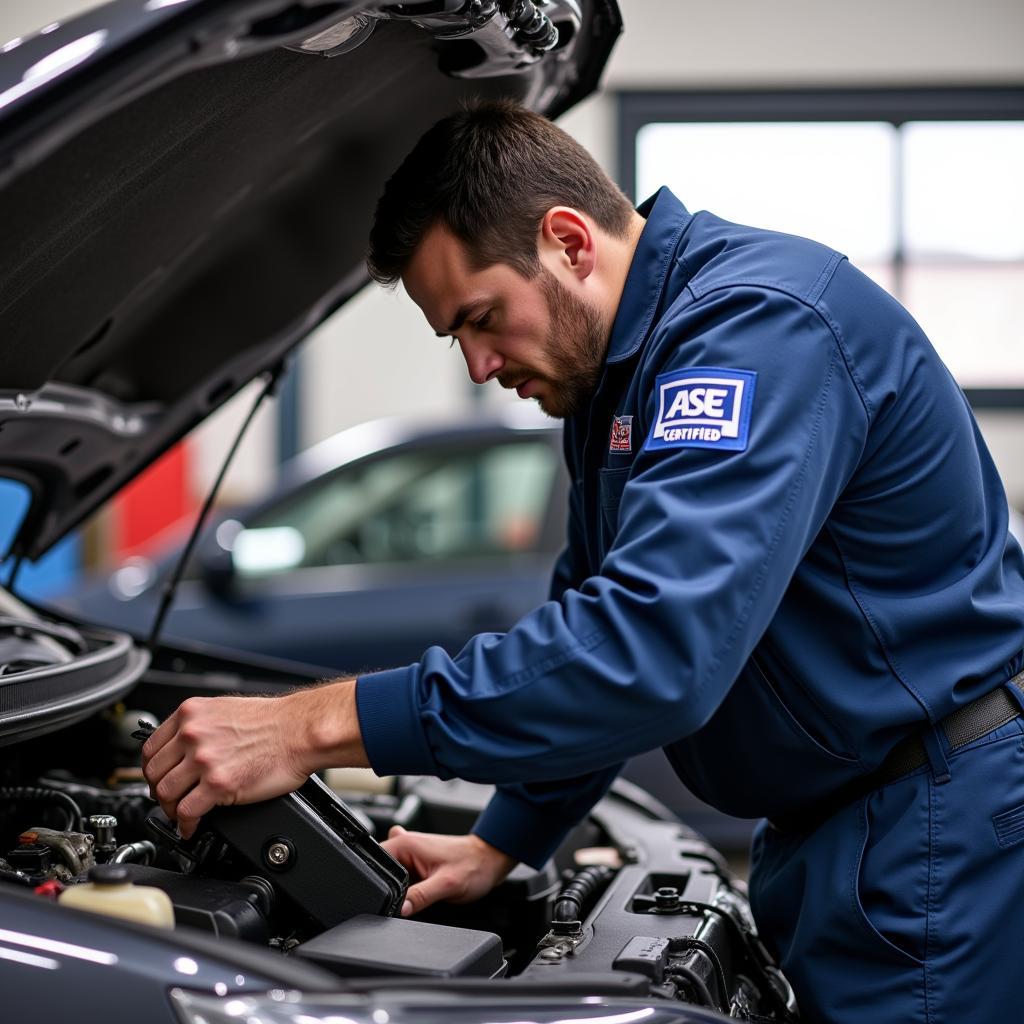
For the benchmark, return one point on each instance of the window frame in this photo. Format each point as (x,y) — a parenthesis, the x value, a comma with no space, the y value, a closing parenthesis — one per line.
(637,108)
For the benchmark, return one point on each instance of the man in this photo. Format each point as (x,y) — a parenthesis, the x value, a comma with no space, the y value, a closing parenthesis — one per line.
(788,564)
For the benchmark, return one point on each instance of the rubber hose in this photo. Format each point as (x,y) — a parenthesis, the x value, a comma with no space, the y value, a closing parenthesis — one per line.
(581,891)
(54,796)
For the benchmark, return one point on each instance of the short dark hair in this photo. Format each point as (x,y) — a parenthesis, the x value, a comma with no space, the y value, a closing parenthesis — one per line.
(489,173)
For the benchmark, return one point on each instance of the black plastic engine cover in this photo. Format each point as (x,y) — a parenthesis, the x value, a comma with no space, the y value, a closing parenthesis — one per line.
(380,946)
(315,852)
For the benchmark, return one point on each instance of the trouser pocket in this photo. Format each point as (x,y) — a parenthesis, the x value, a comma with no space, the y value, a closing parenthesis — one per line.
(890,890)
(848,948)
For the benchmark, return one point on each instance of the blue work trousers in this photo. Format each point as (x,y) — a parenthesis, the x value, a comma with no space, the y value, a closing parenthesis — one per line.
(908,905)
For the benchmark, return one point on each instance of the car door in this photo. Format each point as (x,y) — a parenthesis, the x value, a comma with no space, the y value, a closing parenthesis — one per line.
(366,566)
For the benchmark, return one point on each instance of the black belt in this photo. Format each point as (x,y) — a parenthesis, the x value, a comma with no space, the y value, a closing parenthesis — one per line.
(960,727)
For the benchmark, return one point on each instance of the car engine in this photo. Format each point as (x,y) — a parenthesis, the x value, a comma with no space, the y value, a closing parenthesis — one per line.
(633,902)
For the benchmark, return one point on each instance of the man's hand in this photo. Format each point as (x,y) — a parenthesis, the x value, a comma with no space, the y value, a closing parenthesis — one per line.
(459,869)
(217,751)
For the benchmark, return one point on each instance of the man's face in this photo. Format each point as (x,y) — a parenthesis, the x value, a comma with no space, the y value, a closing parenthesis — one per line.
(532,335)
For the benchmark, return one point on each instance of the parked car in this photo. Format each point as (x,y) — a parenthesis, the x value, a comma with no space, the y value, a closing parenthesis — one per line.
(185,187)
(376,543)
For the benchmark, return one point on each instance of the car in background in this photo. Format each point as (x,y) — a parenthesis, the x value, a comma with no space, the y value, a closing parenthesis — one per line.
(376,543)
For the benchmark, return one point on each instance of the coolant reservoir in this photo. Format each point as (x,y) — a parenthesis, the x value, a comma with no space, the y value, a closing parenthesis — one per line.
(109,891)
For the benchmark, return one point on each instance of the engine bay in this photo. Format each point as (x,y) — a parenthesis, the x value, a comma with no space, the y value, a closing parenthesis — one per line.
(633,900)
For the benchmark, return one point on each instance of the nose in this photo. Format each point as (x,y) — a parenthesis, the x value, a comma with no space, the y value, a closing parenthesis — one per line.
(482,361)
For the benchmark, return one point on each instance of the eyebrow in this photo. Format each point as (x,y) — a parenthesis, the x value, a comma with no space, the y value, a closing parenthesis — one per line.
(460,316)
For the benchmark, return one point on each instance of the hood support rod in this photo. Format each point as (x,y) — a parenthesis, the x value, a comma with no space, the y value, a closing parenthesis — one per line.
(272,378)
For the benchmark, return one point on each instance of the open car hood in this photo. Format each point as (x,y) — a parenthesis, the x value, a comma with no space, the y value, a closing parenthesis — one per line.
(186,189)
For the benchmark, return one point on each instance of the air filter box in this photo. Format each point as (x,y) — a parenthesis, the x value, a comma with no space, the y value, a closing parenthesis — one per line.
(312,850)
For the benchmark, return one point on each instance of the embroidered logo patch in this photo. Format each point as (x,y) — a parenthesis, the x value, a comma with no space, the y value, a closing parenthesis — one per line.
(622,434)
(703,407)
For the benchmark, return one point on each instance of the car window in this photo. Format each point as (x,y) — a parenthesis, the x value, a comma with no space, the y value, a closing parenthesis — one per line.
(413,506)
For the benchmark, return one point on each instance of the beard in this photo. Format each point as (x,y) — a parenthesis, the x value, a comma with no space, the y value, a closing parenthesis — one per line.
(575,346)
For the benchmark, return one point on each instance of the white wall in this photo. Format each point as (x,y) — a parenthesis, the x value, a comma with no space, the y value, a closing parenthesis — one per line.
(376,357)
(823,42)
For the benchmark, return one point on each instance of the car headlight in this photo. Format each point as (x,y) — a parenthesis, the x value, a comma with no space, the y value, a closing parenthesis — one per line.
(278,1006)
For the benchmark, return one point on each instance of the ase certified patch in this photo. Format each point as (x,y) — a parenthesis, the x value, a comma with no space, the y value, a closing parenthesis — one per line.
(703,407)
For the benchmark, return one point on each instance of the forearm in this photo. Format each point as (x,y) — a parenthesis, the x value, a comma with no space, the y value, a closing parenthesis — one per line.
(326,724)
(228,750)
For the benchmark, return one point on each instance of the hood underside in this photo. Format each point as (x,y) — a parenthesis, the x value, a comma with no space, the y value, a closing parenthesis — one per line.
(185,203)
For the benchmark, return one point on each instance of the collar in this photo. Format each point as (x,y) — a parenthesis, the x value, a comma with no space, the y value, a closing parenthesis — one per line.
(666,218)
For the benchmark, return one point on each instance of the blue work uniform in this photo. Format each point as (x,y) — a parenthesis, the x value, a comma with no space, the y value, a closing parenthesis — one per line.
(787,551)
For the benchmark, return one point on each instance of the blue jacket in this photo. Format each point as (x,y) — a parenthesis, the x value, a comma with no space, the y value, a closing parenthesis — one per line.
(787,549)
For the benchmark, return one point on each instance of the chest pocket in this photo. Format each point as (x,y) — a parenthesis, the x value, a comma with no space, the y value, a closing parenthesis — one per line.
(612,483)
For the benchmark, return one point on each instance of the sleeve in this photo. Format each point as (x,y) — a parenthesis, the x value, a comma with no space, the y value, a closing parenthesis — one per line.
(642,653)
(529,820)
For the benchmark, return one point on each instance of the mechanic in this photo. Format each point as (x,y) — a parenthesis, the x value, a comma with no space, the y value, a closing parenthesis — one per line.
(788,564)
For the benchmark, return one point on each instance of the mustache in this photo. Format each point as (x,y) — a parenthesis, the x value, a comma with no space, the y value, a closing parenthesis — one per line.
(513,378)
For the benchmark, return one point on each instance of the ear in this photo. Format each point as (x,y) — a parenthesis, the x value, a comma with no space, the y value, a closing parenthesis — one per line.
(567,242)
